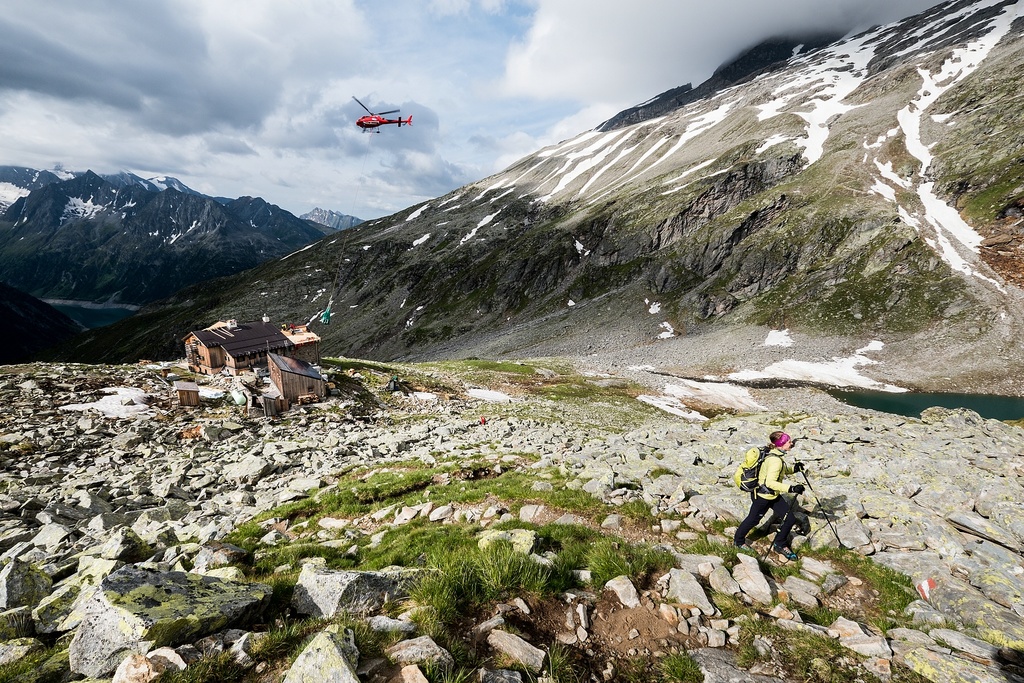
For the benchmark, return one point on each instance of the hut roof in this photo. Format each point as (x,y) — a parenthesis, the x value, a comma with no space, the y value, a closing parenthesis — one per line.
(294,366)
(244,338)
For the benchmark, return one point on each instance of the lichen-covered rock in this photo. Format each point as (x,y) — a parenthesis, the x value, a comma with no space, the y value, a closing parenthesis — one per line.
(998,585)
(937,666)
(522,540)
(62,609)
(322,592)
(974,523)
(322,661)
(517,649)
(18,648)
(422,650)
(979,650)
(22,584)
(136,609)
(993,622)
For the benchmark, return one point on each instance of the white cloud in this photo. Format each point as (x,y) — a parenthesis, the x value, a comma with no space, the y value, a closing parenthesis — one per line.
(254,97)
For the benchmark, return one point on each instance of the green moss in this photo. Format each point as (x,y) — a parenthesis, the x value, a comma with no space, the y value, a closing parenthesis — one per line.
(50,665)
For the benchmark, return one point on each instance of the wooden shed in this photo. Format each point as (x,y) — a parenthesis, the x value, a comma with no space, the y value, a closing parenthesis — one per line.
(188,393)
(297,380)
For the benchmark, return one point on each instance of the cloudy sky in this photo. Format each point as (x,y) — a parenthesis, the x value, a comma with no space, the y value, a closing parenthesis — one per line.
(255,97)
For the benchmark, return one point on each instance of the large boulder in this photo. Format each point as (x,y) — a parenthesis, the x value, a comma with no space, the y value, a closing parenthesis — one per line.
(22,584)
(324,659)
(994,623)
(322,592)
(422,650)
(137,609)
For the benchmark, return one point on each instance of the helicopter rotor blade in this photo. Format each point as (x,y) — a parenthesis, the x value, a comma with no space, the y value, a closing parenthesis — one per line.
(383,113)
(362,105)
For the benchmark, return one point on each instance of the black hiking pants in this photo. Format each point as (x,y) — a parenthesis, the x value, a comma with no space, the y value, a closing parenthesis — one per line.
(780,507)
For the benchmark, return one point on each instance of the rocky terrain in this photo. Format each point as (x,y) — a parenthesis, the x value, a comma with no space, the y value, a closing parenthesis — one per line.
(141,537)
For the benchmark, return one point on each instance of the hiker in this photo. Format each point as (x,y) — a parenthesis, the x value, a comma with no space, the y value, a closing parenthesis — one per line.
(767,496)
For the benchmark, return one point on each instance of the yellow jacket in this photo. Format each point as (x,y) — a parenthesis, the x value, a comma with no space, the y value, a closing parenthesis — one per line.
(773,469)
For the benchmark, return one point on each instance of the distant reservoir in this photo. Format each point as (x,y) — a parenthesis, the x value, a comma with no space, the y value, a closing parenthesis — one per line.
(92,315)
(911,404)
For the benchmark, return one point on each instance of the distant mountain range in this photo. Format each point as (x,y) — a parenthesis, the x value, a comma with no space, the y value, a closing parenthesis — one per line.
(18,181)
(331,219)
(128,240)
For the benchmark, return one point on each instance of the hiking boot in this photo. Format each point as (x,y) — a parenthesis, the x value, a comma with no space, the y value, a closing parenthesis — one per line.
(745,547)
(785,552)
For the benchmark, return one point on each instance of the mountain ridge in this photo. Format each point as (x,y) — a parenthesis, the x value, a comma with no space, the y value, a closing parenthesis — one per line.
(331,219)
(748,64)
(88,239)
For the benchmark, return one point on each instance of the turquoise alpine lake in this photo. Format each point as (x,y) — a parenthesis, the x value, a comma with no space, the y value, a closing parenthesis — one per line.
(92,317)
(910,404)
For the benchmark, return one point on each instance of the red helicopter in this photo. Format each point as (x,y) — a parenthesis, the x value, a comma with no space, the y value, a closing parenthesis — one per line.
(374,120)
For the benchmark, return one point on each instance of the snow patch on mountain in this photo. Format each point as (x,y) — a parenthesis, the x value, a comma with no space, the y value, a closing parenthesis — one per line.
(80,208)
(484,221)
(416,214)
(839,372)
(9,194)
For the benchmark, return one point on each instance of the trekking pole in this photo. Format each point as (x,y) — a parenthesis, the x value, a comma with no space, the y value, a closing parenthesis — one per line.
(822,508)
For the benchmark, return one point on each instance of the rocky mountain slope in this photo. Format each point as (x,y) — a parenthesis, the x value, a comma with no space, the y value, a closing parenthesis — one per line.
(869,189)
(587,535)
(89,239)
(30,325)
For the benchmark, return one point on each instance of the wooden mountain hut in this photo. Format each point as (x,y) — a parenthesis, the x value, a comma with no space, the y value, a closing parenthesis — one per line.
(297,380)
(234,348)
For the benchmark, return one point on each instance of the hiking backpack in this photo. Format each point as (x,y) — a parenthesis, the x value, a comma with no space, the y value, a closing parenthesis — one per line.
(749,471)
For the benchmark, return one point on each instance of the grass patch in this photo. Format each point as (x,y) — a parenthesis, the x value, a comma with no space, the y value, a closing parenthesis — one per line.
(222,668)
(608,558)
(680,668)
(411,544)
(895,590)
(638,511)
(563,666)
(462,581)
(504,572)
